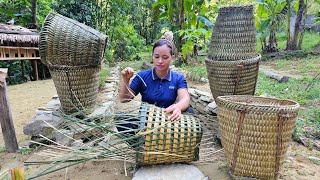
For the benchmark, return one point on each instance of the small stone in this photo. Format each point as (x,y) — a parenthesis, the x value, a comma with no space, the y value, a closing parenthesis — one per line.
(195,100)
(206,99)
(54,104)
(193,93)
(202,93)
(213,107)
(204,80)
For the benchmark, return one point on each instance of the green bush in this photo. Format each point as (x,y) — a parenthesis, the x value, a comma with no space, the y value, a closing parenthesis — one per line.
(126,42)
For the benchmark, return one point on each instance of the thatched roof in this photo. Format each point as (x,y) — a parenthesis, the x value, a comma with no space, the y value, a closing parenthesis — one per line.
(17,34)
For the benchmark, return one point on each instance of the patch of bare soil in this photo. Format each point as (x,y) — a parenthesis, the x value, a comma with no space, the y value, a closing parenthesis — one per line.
(26,98)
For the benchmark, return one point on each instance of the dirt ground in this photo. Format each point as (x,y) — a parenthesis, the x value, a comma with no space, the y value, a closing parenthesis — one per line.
(26,98)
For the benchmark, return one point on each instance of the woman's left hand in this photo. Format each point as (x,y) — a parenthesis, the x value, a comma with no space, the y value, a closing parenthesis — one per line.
(175,110)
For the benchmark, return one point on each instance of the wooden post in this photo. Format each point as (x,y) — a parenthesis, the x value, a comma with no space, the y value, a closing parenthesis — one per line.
(22,70)
(6,117)
(35,70)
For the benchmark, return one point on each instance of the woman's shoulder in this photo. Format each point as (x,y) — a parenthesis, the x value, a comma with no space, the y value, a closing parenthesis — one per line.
(177,75)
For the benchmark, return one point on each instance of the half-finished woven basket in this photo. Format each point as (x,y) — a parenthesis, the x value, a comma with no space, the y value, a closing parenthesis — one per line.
(233,77)
(234,35)
(64,41)
(166,141)
(255,133)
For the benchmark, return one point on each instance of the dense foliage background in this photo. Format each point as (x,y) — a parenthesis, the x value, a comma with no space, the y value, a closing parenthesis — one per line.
(134,25)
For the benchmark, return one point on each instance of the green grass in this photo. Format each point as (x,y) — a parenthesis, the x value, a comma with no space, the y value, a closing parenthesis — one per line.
(305,91)
(308,66)
(310,41)
(136,65)
(104,72)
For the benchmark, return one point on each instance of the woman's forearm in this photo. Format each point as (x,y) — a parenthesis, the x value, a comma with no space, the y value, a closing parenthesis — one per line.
(183,99)
(124,93)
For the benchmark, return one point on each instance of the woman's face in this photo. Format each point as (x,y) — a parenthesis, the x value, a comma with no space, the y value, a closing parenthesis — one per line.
(162,58)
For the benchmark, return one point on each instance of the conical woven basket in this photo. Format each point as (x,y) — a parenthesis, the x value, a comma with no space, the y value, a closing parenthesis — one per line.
(166,141)
(234,35)
(77,87)
(255,133)
(64,41)
(233,77)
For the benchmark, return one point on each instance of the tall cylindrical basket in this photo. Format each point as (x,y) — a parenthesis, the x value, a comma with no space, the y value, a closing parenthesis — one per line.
(255,133)
(234,35)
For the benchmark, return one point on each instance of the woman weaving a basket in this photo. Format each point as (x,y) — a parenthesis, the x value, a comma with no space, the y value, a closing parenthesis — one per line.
(160,85)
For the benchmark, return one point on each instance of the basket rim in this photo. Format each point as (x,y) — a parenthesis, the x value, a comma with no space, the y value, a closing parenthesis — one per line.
(93,31)
(233,62)
(228,99)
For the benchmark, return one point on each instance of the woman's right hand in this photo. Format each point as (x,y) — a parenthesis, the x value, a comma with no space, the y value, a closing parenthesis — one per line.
(127,73)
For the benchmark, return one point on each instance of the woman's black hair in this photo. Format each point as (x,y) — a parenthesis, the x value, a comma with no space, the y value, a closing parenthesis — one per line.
(162,42)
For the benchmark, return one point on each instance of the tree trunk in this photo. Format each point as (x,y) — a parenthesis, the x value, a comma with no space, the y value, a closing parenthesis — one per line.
(34,14)
(272,46)
(303,23)
(288,30)
(297,26)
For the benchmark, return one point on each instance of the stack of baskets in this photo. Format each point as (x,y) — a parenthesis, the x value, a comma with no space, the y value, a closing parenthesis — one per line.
(73,53)
(255,131)
(164,141)
(232,61)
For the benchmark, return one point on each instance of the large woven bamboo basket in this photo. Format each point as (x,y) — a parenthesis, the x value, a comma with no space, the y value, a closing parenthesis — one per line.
(77,87)
(166,141)
(64,41)
(233,77)
(255,133)
(234,35)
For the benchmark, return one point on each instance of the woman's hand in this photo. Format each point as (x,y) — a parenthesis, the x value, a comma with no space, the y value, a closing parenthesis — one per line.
(176,112)
(127,73)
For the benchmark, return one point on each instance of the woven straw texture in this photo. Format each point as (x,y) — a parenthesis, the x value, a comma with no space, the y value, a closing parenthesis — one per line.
(76,86)
(64,41)
(168,141)
(233,77)
(255,133)
(234,35)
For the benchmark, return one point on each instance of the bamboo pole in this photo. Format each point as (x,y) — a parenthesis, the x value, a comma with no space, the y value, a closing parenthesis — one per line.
(5,115)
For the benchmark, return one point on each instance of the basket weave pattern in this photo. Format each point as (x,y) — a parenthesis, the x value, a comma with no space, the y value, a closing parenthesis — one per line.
(76,85)
(232,62)
(170,141)
(234,36)
(233,77)
(73,53)
(255,133)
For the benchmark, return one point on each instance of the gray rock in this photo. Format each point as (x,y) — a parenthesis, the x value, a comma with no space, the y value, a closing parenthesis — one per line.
(199,107)
(204,80)
(169,172)
(213,107)
(202,93)
(37,125)
(53,104)
(193,99)
(62,139)
(206,99)
(193,93)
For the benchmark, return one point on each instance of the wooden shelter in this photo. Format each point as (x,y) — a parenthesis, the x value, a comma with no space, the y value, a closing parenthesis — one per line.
(19,43)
